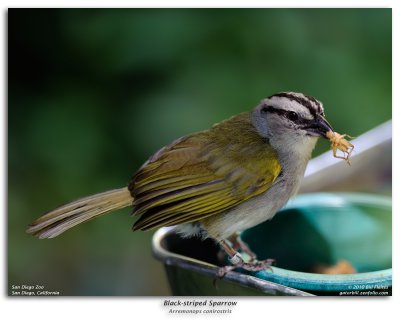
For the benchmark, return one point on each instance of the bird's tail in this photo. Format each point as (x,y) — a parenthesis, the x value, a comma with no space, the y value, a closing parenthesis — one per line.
(67,216)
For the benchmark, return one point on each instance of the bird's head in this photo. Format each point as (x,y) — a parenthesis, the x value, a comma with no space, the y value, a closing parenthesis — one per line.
(291,123)
(290,115)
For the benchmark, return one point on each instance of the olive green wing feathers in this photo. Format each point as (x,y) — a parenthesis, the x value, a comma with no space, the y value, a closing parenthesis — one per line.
(203,174)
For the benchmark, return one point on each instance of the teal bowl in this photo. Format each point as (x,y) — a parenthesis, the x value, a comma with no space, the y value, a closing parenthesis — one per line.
(324,228)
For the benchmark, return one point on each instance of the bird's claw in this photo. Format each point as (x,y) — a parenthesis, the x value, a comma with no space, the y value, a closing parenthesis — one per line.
(253,266)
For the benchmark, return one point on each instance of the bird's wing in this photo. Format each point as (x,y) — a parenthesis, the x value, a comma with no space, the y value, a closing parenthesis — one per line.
(201,175)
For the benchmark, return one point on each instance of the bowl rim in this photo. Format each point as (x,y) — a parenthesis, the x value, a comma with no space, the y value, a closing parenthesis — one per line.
(373,280)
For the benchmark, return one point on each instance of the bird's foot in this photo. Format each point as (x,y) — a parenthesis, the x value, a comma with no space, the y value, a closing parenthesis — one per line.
(253,266)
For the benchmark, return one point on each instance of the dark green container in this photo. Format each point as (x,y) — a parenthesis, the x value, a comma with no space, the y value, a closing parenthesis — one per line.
(313,229)
(191,266)
(323,229)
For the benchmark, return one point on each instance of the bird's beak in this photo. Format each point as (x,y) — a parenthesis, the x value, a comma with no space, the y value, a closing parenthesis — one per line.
(318,127)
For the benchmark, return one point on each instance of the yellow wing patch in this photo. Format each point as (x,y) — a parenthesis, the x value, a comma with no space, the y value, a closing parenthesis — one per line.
(203,174)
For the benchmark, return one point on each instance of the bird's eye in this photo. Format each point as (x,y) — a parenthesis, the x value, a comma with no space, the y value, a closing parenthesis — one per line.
(291,115)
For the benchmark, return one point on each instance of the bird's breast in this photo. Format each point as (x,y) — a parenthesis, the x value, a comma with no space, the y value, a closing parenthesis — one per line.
(252,212)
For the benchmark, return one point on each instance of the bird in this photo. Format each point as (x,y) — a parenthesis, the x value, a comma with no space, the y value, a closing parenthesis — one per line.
(217,182)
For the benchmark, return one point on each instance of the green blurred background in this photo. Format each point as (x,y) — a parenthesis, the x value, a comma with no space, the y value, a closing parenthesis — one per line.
(93,93)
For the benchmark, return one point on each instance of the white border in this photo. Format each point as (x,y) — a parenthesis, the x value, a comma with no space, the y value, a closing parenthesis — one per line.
(143,308)
(201,4)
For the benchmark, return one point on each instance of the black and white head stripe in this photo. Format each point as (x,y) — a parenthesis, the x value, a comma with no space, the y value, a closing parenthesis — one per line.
(313,105)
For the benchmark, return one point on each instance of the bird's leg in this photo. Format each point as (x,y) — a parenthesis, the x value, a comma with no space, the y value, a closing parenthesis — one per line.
(237,261)
(234,257)
(239,244)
